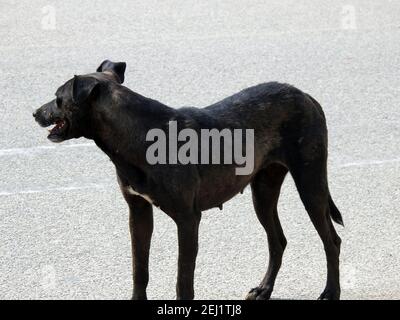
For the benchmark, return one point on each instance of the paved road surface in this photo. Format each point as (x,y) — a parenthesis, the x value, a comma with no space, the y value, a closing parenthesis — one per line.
(63,229)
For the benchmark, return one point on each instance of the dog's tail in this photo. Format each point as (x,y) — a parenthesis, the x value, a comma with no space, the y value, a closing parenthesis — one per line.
(334,212)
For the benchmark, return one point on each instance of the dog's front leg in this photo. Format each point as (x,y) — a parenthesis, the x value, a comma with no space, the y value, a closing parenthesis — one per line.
(188,228)
(141,229)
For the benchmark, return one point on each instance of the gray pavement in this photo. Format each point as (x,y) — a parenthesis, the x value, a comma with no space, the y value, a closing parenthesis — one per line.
(63,223)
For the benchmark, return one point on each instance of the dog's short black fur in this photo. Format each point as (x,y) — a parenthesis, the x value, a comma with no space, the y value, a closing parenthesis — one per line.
(290,136)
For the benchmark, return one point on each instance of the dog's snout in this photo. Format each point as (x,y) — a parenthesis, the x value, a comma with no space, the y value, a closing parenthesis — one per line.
(34,114)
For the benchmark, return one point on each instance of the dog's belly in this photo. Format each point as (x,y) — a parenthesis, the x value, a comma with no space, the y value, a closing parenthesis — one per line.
(214,193)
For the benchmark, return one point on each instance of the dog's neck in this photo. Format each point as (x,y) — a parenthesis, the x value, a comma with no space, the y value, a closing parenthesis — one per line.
(120,122)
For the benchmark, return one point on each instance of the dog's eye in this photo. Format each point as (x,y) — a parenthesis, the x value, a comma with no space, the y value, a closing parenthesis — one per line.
(58,102)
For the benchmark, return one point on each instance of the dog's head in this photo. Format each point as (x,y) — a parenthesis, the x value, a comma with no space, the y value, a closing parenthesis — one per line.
(69,111)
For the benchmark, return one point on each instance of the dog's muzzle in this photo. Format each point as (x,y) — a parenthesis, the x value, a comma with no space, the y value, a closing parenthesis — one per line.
(46,117)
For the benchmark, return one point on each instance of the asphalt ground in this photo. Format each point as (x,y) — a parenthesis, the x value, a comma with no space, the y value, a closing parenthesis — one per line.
(64,224)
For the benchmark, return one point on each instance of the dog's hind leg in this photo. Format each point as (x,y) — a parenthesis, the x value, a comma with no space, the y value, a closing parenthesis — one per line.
(265,189)
(311,182)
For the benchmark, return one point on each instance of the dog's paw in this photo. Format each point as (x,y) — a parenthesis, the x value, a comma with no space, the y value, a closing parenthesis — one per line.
(330,294)
(259,293)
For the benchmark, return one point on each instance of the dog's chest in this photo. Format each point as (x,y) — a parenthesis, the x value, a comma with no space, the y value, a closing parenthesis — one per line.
(132,191)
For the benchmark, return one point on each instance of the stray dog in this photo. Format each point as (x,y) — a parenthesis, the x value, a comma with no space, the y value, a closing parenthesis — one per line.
(290,135)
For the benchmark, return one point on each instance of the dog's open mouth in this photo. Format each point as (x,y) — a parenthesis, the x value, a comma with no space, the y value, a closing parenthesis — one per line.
(58,132)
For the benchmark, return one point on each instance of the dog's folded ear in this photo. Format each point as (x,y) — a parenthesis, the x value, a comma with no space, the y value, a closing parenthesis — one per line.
(82,88)
(118,68)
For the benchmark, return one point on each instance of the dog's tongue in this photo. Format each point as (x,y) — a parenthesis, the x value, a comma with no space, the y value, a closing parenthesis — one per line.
(59,124)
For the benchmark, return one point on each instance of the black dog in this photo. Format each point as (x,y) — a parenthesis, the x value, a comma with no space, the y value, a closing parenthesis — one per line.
(290,134)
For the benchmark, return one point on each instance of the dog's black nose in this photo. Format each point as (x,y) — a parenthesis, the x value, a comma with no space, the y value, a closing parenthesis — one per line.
(34,114)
